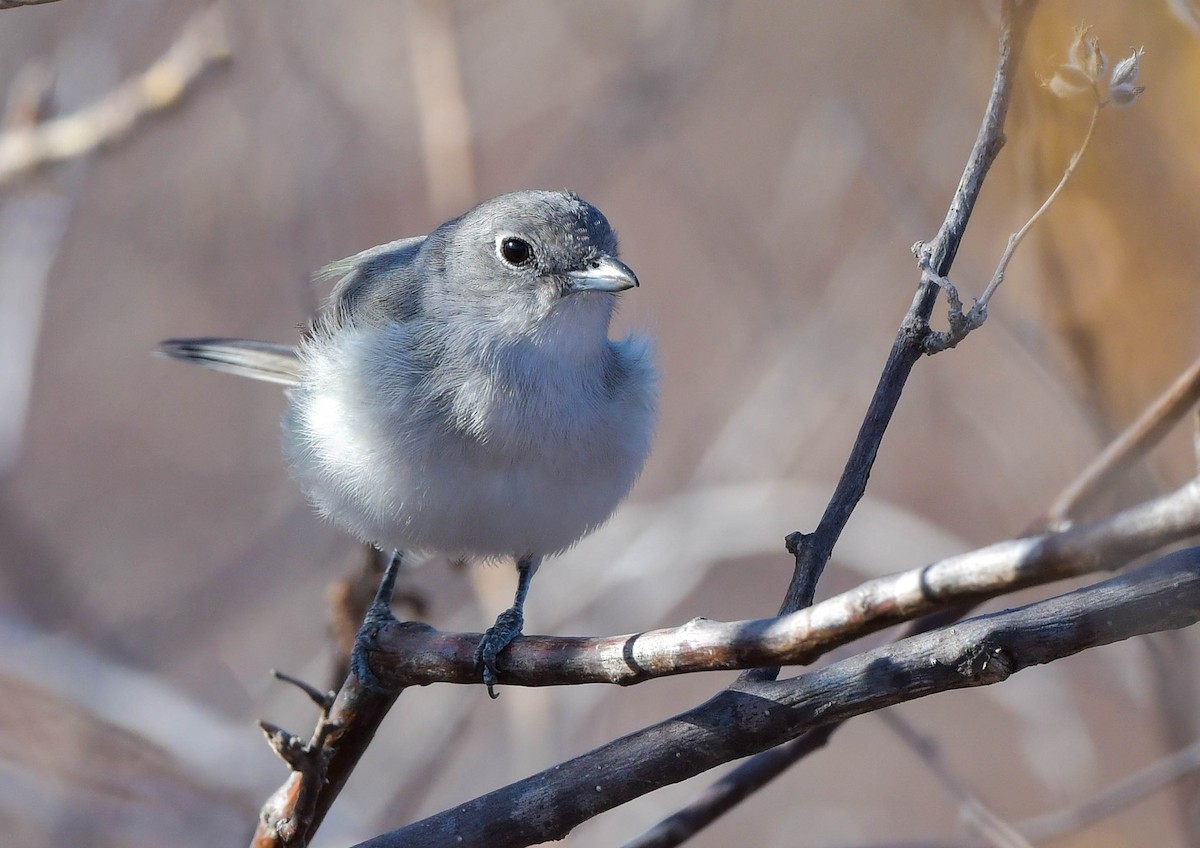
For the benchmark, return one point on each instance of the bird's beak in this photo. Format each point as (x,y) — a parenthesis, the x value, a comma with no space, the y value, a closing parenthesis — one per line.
(605,274)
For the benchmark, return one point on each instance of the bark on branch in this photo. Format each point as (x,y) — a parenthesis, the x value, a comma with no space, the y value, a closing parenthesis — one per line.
(980,651)
(409,654)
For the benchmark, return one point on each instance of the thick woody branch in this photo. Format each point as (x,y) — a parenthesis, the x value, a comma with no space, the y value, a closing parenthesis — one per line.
(408,654)
(760,769)
(737,722)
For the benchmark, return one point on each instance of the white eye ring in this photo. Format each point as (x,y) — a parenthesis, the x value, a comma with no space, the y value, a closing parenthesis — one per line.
(514,251)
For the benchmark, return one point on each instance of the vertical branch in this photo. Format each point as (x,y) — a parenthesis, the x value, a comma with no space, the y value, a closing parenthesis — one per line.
(813,551)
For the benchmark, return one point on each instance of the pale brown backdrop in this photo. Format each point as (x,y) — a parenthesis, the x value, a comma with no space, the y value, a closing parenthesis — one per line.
(768,166)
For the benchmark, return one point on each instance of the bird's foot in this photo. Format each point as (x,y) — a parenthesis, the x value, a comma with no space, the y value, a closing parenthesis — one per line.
(378,615)
(498,637)
(364,643)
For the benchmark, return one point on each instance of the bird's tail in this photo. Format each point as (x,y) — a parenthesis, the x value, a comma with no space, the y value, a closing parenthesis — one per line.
(274,363)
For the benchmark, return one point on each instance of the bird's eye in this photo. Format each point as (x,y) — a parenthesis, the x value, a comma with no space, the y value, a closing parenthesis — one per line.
(515,251)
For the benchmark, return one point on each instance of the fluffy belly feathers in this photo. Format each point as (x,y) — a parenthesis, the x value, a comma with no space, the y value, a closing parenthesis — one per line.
(403,478)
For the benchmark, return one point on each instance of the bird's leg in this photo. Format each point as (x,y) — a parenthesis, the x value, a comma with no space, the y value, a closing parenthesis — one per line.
(378,614)
(508,625)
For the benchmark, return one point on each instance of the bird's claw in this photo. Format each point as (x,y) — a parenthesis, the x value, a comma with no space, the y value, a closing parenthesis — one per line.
(364,642)
(498,637)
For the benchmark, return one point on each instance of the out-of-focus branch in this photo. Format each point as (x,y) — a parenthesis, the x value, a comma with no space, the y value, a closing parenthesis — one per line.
(32,228)
(200,45)
(1129,447)
(16,4)
(762,714)
(995,832)
(28,97)
(1060,823)
(442,112)
(1118,796)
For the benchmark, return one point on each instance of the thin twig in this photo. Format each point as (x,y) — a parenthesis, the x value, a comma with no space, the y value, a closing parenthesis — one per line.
(323,700)
(1016,238)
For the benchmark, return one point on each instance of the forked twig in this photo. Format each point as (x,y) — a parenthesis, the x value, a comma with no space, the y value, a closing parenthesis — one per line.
(1083,74)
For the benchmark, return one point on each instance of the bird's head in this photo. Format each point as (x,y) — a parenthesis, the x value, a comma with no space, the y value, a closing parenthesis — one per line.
(526,257)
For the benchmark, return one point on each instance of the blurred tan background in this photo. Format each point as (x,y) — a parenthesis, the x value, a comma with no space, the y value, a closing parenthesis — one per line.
(768,166)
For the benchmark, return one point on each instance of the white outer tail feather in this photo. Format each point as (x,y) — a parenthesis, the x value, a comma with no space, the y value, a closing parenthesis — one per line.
(266,361)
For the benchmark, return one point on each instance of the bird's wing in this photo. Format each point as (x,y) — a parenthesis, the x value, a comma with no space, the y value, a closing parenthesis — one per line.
(273,363)
(378,284)
(380,278)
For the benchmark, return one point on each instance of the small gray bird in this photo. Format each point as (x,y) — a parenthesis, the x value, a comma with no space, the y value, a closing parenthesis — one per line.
(460,393)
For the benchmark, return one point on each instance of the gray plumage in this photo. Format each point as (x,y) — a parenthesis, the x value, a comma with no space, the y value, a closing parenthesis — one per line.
(460,392)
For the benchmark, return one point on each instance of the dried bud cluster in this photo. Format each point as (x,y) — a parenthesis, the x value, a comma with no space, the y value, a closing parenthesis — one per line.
(1123,88)
(1084,71)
